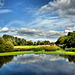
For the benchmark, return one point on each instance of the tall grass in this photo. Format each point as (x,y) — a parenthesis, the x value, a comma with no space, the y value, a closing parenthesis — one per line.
(51,48)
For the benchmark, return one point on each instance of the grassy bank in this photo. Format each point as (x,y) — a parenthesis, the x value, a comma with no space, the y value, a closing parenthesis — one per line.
(46,50)
(39,52)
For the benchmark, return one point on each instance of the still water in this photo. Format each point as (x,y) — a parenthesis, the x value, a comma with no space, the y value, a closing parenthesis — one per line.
(37,64)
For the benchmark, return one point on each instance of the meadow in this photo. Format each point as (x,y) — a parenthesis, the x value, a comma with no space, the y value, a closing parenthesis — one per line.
(37,50)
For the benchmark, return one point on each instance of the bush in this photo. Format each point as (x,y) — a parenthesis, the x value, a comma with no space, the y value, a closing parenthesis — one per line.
(51,48)
(70,49)
(38,49)
(9,46)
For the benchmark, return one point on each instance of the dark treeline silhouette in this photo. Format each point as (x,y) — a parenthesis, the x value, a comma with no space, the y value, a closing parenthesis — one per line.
(67,40)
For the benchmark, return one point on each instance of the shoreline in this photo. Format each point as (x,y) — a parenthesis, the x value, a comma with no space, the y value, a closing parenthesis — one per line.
(39,52)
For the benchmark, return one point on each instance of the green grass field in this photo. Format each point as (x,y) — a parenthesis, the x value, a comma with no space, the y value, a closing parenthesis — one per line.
(35,52)
(39,52)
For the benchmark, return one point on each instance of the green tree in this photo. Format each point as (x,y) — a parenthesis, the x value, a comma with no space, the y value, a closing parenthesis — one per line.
(35,43)
(61,40)
(46,42)
(38,42)
(2,45)
(23,42)
(29,42)
(9,46)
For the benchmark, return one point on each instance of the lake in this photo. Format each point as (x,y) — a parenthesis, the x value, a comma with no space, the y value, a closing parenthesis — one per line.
(37,64)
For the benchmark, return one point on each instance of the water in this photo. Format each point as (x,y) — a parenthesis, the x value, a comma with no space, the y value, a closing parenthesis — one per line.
(37,64)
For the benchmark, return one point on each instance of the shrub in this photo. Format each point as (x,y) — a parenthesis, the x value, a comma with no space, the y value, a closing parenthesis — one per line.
(71,49)
(38,49)
(51,48)
(9,46)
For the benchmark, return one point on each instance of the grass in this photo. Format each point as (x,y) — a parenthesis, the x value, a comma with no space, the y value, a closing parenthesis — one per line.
(39,52)
(25,46)
(36,52)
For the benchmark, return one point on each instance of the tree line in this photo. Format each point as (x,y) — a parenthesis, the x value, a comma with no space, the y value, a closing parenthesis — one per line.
(21,41)
(7,43)
(67,41)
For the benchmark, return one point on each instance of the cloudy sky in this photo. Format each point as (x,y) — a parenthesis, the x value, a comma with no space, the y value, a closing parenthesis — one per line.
(37,19)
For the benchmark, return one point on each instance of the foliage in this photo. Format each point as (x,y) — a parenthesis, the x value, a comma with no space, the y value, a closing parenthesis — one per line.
(51,48)
(2,45)
(67,41)
(29,42)
(38,49)
(70,49)
(9,46)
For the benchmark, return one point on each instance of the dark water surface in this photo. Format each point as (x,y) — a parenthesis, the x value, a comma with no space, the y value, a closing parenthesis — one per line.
(37,64)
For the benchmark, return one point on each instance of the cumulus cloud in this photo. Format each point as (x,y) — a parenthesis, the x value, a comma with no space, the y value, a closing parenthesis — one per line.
(5,29)
(30,32)
(61,7)
(33,34)
(38,33)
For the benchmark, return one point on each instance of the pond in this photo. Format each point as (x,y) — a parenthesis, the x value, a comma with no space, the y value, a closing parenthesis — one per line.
(37,64)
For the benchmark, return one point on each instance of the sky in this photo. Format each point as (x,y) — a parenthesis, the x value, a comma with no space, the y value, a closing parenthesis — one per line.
(37,19)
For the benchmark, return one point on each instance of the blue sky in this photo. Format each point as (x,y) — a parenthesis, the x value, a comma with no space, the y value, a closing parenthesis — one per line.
(37,19)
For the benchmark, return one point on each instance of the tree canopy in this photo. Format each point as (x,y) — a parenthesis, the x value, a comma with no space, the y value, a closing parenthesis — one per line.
(67,40)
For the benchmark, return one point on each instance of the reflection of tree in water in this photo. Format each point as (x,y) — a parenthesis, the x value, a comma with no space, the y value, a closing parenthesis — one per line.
(5,60)
(71,58)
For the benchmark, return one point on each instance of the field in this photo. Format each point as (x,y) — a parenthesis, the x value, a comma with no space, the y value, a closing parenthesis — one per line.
(25,46)
(35,52)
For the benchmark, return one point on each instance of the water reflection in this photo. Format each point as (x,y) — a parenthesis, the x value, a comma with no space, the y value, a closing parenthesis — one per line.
(37,64)
(5,60)
(32,58)
(71,58)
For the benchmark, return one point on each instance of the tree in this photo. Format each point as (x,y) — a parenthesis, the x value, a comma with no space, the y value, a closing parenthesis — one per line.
(46,42)
(9,46)
(38,42)
(23,42)
(2,45)
(8,37)
(35,43)
(68,41)
(61,40)
(18,41)
(29,42)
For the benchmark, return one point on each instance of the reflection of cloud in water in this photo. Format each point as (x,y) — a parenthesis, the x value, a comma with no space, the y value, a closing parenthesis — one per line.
(31,58)
(40,64)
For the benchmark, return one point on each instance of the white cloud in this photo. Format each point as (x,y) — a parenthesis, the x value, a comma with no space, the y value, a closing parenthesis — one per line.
(38,34)
(1,3)
(5,29)
(5,11)
(62,7)
(34,35)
